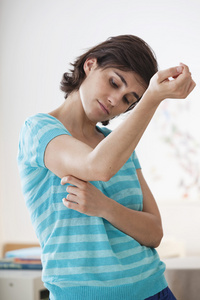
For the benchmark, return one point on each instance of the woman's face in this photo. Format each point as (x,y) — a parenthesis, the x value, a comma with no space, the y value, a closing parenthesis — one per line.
(106,93)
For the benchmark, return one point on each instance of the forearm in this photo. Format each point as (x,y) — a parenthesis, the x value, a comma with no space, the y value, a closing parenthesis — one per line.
(122,141)
(144,227)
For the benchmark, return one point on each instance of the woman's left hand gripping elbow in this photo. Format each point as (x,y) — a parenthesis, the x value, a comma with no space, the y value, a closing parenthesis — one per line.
(84,197)
(145,227)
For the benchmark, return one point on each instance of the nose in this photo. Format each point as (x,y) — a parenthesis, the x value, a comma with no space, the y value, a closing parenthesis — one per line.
(114,99)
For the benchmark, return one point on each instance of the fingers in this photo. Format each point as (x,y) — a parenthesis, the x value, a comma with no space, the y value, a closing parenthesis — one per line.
(171,72)
(71,189)
(70,204)
(191,83)
(184,82)
(72,180)
(192,86)
(179,87)
(74,190)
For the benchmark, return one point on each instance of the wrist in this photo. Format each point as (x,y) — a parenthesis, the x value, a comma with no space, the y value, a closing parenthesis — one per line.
(109,209)
(152,97)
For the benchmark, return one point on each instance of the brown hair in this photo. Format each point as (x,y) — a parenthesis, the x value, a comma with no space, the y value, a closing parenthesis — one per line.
(124,52)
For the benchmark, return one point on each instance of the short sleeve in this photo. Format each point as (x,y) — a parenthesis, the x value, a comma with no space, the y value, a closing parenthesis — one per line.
(35,135)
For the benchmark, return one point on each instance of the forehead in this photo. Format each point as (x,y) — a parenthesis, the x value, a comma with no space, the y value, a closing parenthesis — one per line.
(131,80)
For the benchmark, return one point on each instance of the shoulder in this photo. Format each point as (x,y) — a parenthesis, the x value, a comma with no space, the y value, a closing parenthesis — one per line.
(42,123)
(40,129)
(44,119)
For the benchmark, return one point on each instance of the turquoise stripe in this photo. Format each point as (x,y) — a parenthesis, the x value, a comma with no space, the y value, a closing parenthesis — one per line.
(72,230)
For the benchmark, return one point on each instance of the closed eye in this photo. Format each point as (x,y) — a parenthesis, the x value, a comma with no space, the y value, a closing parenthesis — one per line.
(126,100)
(113,83)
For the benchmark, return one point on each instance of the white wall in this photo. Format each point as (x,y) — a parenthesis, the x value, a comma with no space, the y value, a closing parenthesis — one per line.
(38,40)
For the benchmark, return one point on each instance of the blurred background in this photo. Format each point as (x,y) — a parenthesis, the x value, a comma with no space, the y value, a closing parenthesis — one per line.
(39,39)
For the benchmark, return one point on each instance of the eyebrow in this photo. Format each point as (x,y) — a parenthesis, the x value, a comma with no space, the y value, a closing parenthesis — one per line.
(124,81)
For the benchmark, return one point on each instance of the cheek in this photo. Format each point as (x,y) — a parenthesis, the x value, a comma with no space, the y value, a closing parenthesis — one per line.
(87,94)
(84,92)
(91,88)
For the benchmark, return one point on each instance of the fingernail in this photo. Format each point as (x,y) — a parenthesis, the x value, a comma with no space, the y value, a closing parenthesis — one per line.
(179,69)
(64,200)
(63,181)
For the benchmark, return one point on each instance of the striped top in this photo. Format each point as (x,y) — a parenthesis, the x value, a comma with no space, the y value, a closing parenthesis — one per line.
(84,257)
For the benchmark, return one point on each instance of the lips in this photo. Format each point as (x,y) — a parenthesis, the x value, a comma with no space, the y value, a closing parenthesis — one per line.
(103,108)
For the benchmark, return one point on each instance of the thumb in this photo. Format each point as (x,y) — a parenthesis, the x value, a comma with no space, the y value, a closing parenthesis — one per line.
(171,72)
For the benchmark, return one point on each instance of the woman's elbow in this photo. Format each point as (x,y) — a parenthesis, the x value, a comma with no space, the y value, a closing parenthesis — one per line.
(101,175)
(100,172)
(158,237)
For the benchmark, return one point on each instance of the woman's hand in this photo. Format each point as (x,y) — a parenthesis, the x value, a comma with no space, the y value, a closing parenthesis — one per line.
(174,83)
(144,226)
(84,197)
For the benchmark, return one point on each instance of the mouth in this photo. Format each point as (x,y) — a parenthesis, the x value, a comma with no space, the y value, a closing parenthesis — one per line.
(103,108)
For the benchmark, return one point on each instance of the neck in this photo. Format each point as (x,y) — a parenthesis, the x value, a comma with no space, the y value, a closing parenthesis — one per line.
(72,115)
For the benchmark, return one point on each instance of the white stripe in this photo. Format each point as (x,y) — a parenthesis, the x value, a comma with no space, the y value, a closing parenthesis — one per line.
(50,191)
(70,222)
(47,213)
(32,175)
(119,178)
(126,193)
(79,238)
(99,269)
(93,254)
(88,238)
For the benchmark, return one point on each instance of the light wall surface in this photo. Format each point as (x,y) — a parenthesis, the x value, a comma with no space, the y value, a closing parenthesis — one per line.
(38,40)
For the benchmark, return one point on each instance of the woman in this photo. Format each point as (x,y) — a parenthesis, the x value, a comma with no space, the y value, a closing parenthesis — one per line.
(100,243)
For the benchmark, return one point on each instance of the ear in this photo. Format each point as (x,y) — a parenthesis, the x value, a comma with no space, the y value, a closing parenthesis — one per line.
(89,64)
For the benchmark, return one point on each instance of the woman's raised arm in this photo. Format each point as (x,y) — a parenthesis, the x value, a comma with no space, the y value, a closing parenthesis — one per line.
(66,155)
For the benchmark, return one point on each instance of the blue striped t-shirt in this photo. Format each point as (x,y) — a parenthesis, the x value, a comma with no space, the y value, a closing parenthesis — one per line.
(84,257)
